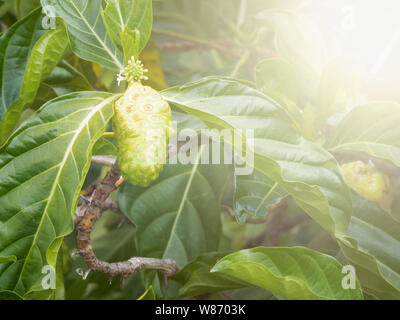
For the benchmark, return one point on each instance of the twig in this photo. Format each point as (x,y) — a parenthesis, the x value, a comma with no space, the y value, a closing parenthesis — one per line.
(90,211)
(208,44)
(104,160)
(180,46)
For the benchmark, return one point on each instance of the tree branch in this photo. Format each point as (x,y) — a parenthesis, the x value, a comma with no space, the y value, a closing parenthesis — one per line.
(104,160)
(88,212)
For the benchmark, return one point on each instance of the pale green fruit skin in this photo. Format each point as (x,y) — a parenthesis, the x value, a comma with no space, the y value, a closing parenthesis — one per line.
(369,182)
(142,125)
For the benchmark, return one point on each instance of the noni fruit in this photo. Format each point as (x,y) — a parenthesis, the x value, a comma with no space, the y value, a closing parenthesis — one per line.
(142,126)
(369,182)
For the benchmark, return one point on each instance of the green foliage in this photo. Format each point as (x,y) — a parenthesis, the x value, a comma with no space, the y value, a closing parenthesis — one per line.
(177,217)
(280,153)
(43,160)
(293,273)
(373,248)
(259,69)
(123,20)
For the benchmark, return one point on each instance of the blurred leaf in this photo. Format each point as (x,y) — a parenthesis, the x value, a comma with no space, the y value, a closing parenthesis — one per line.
(196,278)
(151,59)
(296,39)
(66,79)
(293,273)
(374,248)
(25,7)
(42,168)
(336,90)
(104,147)
(372,129)
(277,79)
(45,93)
(304,170)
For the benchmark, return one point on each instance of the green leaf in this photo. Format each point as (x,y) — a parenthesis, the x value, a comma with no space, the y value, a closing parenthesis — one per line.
(296,39)
(130,44)
(66,79)
(87,32)
(104,147)
(374,248)
(8,259)
(42,168)
(44,94)
(336,90)
(372,129)
(303,169)
(44,57)
(23,7)
(293,273)
(129,17)
(15,46)
(196,279)
(178,216)
(255,193)
(277,78)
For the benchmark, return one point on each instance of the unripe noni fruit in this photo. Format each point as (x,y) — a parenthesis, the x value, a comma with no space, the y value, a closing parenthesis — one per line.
(369,182)
(142,126)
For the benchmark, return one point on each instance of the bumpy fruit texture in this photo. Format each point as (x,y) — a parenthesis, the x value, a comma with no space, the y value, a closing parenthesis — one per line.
(142,125)
(369,182)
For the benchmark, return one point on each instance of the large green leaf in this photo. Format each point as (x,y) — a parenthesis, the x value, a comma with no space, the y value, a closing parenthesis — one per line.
(375,249)
(44,57)
(42,168)
(178,216)
(293,273)
(372,129)
(89,39)
(303,169)
(134,15)
(15,46)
